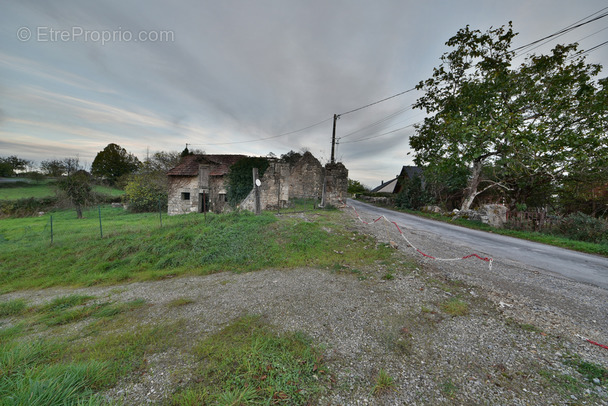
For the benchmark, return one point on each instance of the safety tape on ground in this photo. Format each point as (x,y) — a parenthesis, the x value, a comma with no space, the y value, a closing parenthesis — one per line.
(593,342)
(485,259)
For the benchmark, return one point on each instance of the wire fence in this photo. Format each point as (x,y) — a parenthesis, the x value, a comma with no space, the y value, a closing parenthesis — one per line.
(104,221)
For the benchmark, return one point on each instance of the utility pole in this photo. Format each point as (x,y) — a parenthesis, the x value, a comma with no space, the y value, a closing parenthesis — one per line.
(333,139)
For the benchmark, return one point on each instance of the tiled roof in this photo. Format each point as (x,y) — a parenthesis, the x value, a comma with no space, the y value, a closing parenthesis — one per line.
(220,164)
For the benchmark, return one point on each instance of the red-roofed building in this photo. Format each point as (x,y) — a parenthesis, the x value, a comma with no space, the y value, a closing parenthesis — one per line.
(197,183)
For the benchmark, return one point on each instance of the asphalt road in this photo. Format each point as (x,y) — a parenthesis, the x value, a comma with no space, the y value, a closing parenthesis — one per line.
(574,265)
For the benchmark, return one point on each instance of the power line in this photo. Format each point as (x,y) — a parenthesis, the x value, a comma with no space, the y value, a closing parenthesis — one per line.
(377,102)
(588,50)
(381,135)
(563,31)
(382,120)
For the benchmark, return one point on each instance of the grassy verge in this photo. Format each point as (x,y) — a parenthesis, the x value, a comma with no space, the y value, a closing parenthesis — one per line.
(59,371)
(136,247)
(248,363)
(581,246)
(23,190)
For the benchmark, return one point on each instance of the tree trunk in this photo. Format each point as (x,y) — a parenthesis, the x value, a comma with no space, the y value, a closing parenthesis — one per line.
(471,191)
(78,212)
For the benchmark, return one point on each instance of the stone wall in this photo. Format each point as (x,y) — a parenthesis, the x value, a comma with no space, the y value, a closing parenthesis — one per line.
(336,184)
(178,187)
(274,190)
(194,187)
(307,179)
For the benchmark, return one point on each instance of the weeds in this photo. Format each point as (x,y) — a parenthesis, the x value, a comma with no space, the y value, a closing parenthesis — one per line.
(384,383)
(135,248)
(12,307)
(180,301)
(455,307)
(247,362)
(448,388)
(592,372)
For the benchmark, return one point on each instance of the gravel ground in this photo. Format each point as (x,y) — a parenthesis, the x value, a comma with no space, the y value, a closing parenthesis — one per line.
(508,350)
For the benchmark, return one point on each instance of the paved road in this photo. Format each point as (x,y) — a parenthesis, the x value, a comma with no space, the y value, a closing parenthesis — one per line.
(577,266)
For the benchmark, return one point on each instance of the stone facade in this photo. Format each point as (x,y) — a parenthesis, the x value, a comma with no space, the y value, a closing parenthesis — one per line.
(197,184)
(307,179)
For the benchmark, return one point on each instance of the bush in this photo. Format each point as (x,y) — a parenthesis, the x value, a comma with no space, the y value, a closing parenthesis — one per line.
(240,181)
(26,207)
(413,195)
(144,193)
(582,227)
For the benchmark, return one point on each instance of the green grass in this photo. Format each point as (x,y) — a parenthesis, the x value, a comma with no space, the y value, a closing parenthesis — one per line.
(384,383)
(247,362)
(589,370)
(12,307)
(455,307)
(581,246)
(70,367)
(46,189)
(36,190)
(134,247)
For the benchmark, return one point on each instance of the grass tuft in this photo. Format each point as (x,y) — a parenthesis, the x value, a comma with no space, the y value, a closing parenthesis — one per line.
(455,307)
(248,363)
(12,307)
(384,383)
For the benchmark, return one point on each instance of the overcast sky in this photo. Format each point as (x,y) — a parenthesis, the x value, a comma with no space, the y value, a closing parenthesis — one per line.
(242,76)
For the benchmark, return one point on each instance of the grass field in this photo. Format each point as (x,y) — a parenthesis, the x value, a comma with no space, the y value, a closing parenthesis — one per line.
(132,247)
(39,190)
(46,361)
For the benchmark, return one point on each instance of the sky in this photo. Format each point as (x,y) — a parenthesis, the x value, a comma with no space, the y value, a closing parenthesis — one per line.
(247,77)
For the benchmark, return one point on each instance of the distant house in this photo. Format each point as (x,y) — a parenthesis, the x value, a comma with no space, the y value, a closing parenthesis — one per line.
(395,185)
(197,184)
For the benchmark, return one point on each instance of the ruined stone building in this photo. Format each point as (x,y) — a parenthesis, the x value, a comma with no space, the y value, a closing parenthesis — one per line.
(197,184)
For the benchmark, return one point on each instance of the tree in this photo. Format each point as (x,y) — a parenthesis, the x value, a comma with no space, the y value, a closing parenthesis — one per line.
(413,195)
(114,162)
(149,186)
(536,120)
(292,157)
(11,164)
(145,191)
(354,186)
(53,167)
(76,189)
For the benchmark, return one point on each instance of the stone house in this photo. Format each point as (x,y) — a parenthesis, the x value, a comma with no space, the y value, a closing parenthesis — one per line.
(197,184)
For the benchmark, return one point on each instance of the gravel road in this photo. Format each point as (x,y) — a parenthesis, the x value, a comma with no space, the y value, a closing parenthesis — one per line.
(511,348)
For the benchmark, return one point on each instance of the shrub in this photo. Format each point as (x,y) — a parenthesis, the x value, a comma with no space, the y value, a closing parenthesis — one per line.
(26,207)
(144,191)
(582,227)
(240,180)
(413,195)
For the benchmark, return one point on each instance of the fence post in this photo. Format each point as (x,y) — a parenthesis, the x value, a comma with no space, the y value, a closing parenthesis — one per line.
(256,191)
(100,228)
(279,194)
(160,213)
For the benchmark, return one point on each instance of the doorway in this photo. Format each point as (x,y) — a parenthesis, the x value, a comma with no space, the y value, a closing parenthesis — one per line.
(203,202)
